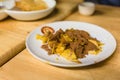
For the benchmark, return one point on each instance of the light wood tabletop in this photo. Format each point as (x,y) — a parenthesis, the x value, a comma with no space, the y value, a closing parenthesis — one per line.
(16,31)
(25,67)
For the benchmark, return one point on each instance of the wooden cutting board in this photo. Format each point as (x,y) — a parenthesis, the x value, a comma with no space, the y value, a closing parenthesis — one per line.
(25,67)
(10,44)
(14,32)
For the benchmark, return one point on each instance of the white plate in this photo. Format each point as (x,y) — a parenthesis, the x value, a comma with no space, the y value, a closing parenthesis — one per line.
(34,46)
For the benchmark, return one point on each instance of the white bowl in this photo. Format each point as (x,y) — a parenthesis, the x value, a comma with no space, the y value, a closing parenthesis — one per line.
(3,15)
(32,15)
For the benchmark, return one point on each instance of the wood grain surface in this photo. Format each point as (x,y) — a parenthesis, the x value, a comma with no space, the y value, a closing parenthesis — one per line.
(10,44)
(10,27)
(25,67)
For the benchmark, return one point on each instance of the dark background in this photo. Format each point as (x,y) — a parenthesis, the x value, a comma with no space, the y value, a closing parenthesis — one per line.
(106,2)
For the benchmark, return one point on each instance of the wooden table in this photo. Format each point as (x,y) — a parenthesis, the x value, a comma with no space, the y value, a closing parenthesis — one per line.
(13,33)
(25,67)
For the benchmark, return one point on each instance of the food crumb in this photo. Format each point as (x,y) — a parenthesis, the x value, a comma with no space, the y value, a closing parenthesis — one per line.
(57,59)
(95,62)
(47,62)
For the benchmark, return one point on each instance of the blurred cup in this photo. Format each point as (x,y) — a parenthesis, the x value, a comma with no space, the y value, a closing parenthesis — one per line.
(86,8)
